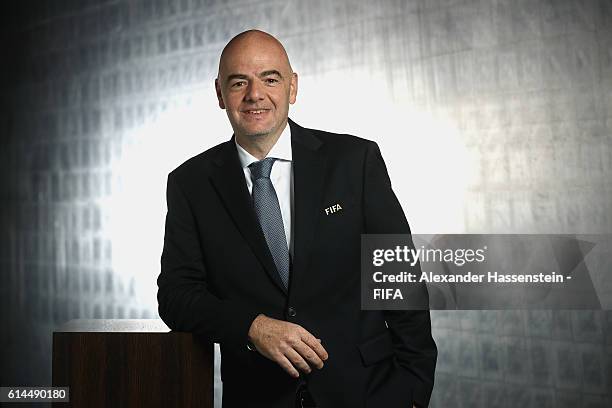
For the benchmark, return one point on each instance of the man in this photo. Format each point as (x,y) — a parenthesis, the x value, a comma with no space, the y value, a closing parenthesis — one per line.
(255,260)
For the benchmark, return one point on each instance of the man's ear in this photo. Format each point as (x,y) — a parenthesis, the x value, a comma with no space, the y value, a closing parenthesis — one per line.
(293,87)
(219,96)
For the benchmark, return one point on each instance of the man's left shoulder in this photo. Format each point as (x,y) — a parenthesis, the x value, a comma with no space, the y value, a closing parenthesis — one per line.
(341,139)
(342,143)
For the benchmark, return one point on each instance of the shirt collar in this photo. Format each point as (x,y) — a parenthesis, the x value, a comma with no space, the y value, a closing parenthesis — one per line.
(281,149)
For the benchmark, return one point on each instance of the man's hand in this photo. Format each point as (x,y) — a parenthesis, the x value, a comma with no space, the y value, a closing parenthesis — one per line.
(288,344)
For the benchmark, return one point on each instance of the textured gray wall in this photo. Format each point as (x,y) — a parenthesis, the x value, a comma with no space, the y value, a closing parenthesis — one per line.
(493,116)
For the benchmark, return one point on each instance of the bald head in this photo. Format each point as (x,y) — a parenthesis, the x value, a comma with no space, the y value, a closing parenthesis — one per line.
(253,40)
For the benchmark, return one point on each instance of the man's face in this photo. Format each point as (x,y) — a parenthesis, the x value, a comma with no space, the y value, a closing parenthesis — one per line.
(255,86)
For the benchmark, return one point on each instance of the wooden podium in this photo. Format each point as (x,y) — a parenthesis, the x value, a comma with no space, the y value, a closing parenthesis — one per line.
(131,363)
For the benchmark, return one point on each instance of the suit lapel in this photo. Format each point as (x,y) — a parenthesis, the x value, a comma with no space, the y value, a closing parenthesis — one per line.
(309,169)
(228,179)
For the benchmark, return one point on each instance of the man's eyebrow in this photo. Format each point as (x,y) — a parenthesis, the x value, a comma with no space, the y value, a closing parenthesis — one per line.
(261,75)
(235,76)
(271,72)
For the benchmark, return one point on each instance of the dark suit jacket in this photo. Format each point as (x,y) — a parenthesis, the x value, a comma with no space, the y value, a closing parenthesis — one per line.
(217,275)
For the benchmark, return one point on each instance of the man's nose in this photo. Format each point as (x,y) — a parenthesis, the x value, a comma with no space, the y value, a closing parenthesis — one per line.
(254,92)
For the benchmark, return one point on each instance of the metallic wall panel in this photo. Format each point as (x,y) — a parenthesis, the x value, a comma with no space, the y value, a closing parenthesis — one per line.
(493,116)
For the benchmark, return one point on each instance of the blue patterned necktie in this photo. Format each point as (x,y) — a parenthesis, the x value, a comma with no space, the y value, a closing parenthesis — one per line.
(267,208)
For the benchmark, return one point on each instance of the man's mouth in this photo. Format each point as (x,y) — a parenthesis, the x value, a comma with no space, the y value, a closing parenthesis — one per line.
(255,111)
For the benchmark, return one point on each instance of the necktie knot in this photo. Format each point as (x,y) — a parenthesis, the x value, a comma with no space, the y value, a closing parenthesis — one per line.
(261,169)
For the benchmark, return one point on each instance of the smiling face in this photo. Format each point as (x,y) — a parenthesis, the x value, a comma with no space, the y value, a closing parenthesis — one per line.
(255,85)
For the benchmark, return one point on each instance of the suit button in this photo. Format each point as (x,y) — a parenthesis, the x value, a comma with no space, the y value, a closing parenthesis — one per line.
(291,312)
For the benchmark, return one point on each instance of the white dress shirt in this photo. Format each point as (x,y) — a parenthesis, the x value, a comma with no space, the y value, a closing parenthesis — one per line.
(281,177)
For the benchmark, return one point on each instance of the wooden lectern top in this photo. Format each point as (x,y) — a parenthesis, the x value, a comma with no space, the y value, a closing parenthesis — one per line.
(114,325)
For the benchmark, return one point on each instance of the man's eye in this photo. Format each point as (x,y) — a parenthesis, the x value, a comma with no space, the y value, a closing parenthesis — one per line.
(238,84)
(271,80)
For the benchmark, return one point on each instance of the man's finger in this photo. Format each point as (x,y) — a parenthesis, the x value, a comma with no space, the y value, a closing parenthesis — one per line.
(315,344)
(287,366)
(309,355)
(297,360)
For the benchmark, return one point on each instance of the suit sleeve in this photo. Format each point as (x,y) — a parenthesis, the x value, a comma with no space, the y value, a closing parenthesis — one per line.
(414,346)
(185,302)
